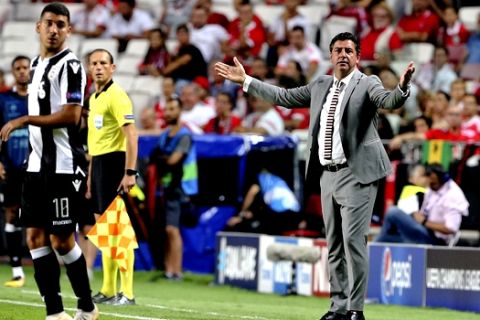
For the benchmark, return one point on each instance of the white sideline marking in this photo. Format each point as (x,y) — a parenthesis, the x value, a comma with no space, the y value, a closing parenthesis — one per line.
(156,306)
(116,315)
(211,313)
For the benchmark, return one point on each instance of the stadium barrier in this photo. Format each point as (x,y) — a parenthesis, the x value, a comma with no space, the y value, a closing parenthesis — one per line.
(412,275)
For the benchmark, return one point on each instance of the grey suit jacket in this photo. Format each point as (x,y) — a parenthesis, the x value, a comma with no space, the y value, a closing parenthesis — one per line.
(364,94)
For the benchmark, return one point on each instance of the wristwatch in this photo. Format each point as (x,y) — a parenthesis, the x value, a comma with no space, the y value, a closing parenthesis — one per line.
(131,172)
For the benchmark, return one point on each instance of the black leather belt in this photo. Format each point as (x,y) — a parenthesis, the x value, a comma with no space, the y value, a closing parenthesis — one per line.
(334,167)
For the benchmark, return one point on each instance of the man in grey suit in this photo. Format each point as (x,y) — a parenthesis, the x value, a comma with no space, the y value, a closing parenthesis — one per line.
(345,156)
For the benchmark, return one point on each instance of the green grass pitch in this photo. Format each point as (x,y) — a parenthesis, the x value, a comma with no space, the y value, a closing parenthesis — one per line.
(196,298)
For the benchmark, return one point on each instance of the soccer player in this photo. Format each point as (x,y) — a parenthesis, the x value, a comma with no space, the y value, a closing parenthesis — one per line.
(113,145)
(54,184)
(13,104)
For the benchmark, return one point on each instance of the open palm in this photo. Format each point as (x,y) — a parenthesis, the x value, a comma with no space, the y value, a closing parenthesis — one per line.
(233,73)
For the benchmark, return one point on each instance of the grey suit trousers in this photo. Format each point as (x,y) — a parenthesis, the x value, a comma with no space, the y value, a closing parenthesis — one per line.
(347,209)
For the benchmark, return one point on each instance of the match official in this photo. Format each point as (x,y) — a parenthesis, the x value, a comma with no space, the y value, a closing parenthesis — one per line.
(113,145)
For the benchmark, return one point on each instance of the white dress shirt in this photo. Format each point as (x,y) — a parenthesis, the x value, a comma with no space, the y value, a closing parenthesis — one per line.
(338,155)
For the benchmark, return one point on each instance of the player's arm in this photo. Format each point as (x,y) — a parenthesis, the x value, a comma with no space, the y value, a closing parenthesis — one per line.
(72,85)
(3,173)
(68,116)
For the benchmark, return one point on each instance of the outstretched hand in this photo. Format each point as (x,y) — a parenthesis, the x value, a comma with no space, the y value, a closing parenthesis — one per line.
(11,126)
(233,73)
(407,76)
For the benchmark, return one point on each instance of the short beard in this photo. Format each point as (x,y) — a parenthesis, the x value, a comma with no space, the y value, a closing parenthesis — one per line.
(172,122)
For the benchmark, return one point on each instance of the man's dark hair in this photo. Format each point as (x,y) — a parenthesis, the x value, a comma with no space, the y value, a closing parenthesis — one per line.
(427,120)
(451,7)
(298,28)
(160,30)
(131,3)
(446,95)
(17,58)
(389,69)
(183,27)
(100,50)
(444,48)
(179,102)
(438,170)
(229,96)
(346,36)
(56,8)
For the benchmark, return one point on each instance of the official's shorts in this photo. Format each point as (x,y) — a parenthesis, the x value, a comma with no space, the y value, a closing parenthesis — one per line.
(87,217)
(13,187)
(173,206)
(107,173)
(53,201)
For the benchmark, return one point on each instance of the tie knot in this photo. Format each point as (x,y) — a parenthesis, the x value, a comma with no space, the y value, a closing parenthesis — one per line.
(340,84)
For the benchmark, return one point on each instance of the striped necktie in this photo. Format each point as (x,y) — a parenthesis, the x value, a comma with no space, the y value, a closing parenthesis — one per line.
(328,145)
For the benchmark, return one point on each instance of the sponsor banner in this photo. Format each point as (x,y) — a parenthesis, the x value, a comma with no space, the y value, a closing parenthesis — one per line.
(397,274)
(237,257)
(453,278)
(304,271)
(265,266)
(320,276)
(282,270)
(276,277)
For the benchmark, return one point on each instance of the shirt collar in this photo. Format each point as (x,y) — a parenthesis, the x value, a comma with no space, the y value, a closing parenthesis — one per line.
(345,80)
(105,88)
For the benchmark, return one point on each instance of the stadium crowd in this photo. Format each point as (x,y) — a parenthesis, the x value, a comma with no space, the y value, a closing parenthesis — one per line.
(287,49)
(166,51)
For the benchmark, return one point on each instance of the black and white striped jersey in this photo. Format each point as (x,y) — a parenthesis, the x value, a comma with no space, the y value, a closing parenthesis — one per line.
(55,82)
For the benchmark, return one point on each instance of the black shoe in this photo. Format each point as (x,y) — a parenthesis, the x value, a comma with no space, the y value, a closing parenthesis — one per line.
(333,316)
(100,298)
(121,300)
(355,315)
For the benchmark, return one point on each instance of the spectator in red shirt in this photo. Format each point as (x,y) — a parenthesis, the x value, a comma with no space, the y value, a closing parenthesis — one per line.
(381,36)
(453,35)
(471,119)
(437,110)
(421,26)
(247,34)
(293,77)
(458,89)
(90,21)
(302,51)
(353,9)
(214,17)
(277,35)
(3,85)
(454,32)
(157,57)
(454,132)
(168,93)
(225,122)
